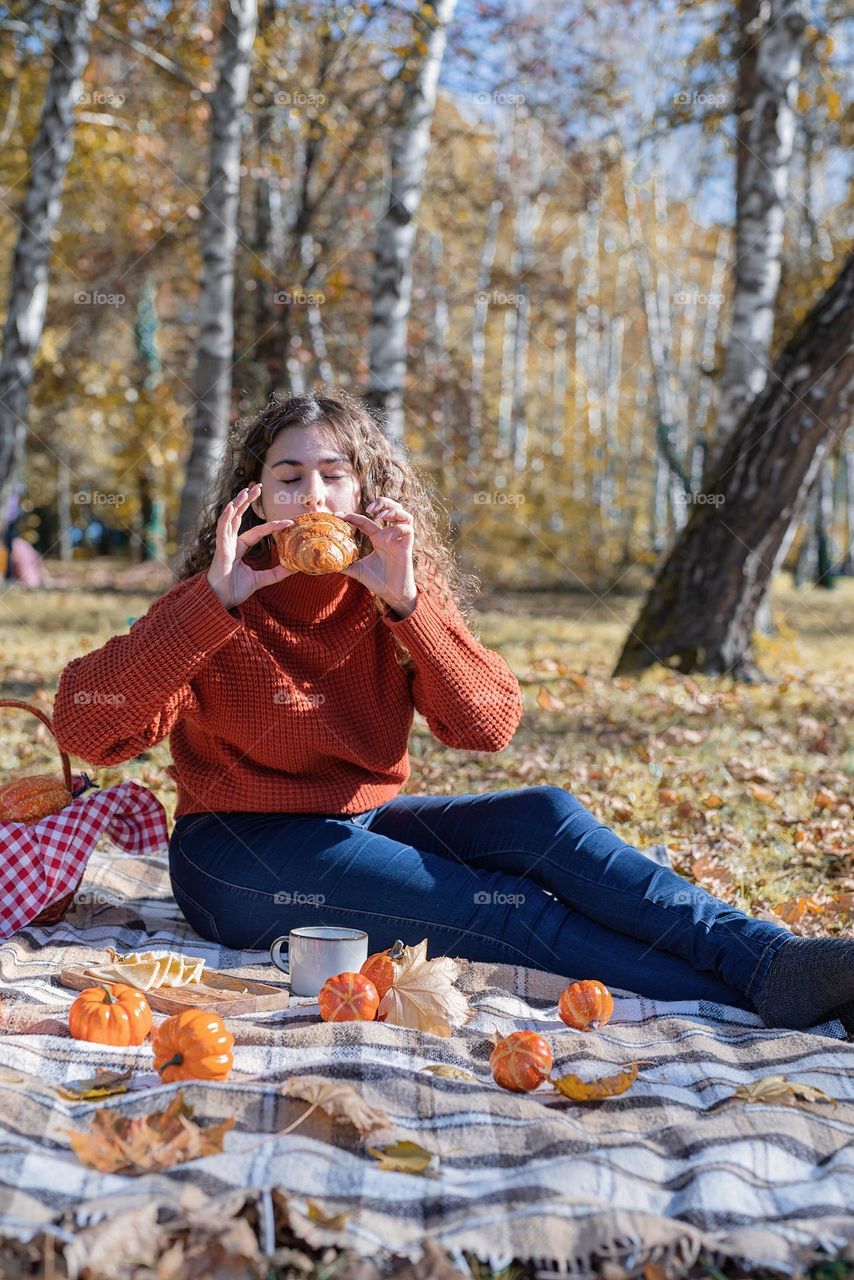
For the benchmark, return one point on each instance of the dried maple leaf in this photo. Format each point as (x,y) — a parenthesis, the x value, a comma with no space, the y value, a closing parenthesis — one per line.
(338,1099)
(592,1090)
(708,868)
(796,908)
(747,772)
(763,794)
(146,1144)
(405,1157)
(779,1089)
(101,1085)
(548,702)
(451,1073)
(332,1222)
(423,996)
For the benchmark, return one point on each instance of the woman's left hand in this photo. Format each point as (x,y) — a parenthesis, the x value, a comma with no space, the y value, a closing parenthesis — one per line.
(388,571)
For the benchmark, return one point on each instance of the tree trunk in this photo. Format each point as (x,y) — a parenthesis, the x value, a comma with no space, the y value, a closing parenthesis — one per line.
(772,38)
(847,564)
(396,232)
(48,160)
(214,352)
(824,526)
(700,613)
(670,486)
(478,341)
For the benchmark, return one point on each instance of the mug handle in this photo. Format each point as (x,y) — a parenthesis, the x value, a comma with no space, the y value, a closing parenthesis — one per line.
(276,954)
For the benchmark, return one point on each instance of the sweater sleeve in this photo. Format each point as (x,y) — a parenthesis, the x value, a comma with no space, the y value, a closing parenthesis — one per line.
(467,693)
(115,702)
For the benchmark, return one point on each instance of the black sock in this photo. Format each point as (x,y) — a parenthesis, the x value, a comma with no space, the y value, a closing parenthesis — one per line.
(808,978)
(845,1014)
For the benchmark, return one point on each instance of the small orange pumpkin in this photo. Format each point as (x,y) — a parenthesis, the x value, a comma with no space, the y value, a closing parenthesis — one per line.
(521,1061)
(32,798)
(348,997)
(381,967)
(193,1045)
(586,1005)
(111,1013)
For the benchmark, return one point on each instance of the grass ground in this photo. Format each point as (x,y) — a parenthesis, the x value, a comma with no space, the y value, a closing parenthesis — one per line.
(750,786)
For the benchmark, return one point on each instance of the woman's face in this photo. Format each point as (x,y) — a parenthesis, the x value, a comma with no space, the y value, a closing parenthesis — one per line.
(303,471)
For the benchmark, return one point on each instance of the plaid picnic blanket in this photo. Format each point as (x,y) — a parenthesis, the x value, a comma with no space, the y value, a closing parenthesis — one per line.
(663,1172)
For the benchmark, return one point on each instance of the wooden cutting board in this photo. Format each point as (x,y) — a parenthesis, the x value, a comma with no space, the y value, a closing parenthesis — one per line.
(219,993)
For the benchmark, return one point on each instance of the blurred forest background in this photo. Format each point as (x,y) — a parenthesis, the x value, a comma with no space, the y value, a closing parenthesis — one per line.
(562,246)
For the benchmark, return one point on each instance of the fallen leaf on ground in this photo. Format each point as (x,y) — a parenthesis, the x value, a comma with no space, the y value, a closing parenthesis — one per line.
(763,794)
(796,908)
(744,771)
(708,868)
(405,1157)
(146,1144)
(340,1101)
(101,1085)
(423,996)
(779,1089)
(333,1222)
(452,1073)
(592,1090)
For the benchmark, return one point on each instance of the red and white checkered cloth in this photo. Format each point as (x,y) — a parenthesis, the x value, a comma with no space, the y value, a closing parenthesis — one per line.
(43,862)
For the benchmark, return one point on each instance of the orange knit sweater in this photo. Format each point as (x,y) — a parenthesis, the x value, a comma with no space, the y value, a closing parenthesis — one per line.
(291,702)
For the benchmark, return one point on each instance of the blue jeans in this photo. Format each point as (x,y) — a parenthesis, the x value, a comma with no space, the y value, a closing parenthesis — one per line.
(525,876)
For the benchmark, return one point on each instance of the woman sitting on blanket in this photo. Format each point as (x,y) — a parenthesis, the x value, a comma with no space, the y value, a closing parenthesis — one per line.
(289,699)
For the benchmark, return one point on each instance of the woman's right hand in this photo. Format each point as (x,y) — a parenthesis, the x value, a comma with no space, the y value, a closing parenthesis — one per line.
(230,579)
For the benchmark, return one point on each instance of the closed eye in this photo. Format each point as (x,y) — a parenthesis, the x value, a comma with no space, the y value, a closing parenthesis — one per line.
(296,478)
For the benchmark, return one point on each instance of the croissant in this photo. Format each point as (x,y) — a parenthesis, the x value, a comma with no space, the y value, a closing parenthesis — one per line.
(317,543)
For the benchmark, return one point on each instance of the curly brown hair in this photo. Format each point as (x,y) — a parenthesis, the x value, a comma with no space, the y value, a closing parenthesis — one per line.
(383,470)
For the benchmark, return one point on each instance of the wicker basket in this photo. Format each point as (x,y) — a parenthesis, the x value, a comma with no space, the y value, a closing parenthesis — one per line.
(55,910)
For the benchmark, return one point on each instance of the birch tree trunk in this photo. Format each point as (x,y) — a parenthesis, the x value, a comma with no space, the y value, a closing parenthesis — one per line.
(701,611)
(772,38)
(847,564)
(396,232)
(707,362)
(214,351)
(47,164)
(670,482)
(478,340)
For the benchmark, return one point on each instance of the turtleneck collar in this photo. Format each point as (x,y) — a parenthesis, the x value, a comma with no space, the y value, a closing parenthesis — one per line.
(305,597)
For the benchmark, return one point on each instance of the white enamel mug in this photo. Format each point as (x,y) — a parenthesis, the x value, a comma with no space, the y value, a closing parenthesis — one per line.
(317,952)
